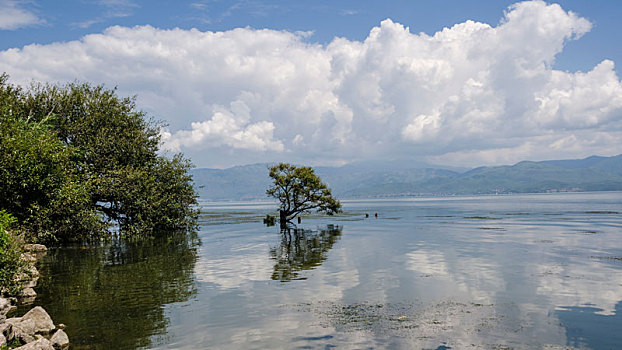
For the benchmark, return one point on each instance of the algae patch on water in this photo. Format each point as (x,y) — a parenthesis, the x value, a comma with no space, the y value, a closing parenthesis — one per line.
(613,258)
(480,218)
(418,320)
(223,218)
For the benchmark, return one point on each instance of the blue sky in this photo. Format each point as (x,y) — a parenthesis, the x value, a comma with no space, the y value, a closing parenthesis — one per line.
(503,82)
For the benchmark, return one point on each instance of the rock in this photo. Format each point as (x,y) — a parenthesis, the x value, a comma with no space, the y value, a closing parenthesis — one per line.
(6,330)
(24,338)
(33,252)
(60,340)
(22,327)
(33,272)
(43,321)
(61,326)
(12,308)
(27,301)
(13,320)
(2,340)
(28,257)
(28,274)
(32,283)
(27,296)
(35,248)
(27,293)
(5,305)
(41,344)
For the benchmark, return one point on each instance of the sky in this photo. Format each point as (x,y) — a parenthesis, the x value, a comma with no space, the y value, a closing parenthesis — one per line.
(451,82)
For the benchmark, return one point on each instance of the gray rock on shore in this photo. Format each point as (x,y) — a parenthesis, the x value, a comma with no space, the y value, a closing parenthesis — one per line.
(23,330)
(5,306)
(43,321)
(27,292)
(6,330)
(35,329)
(37,248)
(40,344)
(60,339)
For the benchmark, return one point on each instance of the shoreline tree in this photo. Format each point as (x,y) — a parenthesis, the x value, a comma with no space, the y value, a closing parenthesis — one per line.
(299,189)
(76,158)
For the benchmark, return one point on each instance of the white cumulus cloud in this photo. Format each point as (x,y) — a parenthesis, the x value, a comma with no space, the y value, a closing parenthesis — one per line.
(225,128)
(471,93)
(14,16)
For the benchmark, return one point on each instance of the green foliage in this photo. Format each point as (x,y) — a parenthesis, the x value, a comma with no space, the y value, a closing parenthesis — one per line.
(40,186)
(150,200)
(298,189)
(78,157)
(14,343)
(10,263)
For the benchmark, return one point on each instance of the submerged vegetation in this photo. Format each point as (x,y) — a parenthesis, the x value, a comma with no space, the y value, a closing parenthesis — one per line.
(77,159)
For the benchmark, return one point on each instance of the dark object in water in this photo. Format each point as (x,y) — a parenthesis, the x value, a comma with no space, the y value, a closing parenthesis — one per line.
(366,215)
(376,215)
(269,220)
(299,220)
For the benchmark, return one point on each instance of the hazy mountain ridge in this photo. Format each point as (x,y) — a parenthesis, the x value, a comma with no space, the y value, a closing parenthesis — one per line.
(393,179)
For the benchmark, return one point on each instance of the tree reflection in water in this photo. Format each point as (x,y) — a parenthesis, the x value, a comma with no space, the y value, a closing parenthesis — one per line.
(302,250)
(113,296)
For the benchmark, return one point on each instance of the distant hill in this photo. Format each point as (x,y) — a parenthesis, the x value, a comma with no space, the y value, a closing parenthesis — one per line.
(607,164)
(246,182)
(525,177)
(393,179)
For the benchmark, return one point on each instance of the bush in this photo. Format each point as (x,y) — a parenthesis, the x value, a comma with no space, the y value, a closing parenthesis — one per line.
(10,251)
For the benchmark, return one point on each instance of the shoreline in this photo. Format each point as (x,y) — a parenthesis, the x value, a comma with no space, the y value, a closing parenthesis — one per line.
(35,329)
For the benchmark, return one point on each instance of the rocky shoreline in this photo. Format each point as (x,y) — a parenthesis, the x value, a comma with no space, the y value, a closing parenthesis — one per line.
(35,330)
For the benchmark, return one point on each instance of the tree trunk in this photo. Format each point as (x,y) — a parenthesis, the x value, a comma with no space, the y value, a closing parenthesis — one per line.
(282,219)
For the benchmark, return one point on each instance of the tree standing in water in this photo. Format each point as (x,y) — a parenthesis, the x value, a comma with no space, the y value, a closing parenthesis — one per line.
(298,189)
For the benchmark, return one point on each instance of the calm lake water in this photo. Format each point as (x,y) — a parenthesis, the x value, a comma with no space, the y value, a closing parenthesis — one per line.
(491,272)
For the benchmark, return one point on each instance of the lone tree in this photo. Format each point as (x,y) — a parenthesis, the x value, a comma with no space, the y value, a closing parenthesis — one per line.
(299,190)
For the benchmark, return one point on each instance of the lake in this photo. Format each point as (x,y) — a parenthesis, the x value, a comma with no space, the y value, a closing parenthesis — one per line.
(483,272)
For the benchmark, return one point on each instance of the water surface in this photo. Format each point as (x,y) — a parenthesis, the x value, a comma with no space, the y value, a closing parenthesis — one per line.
(492,272)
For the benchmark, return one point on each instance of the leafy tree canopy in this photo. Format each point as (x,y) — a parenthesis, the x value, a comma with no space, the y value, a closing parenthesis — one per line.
(298,189)
(77,157)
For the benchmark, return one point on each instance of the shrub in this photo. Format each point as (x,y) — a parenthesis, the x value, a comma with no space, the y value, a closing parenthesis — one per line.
(10,251)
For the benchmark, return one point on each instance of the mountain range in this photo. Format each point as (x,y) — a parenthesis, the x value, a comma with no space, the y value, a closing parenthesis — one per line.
(403,179)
